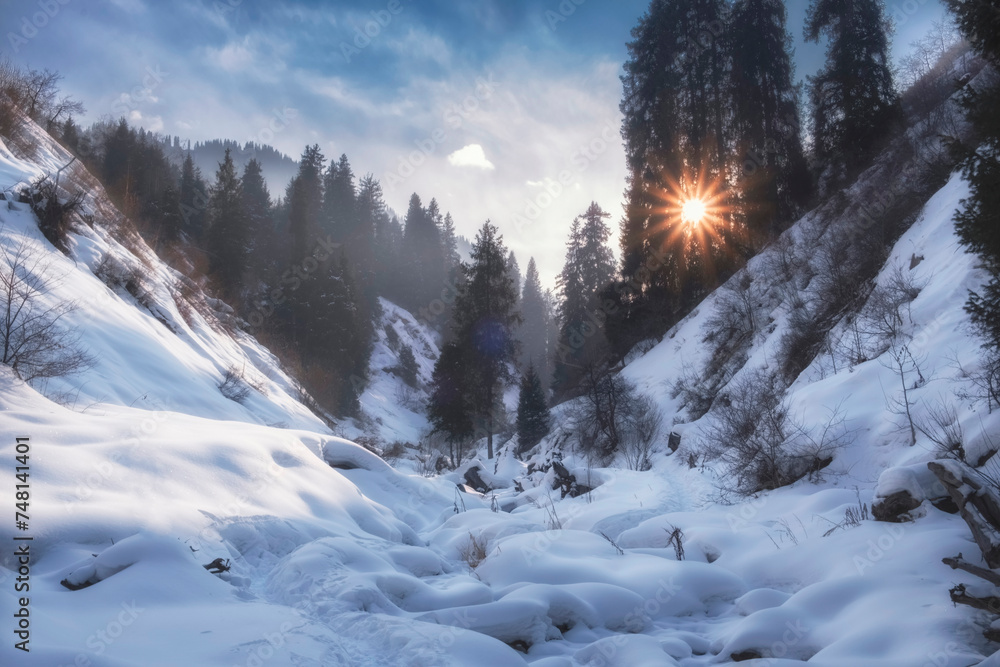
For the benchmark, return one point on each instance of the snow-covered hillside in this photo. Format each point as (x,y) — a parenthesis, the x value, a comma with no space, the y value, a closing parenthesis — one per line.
(144,472)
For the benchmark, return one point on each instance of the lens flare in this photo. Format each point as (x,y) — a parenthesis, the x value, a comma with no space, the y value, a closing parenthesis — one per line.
(693,212)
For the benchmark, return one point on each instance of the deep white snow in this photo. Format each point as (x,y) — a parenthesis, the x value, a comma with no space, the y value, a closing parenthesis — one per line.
(143,472)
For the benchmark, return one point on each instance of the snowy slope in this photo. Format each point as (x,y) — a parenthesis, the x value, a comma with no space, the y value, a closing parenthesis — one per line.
(146,472)
(398,410)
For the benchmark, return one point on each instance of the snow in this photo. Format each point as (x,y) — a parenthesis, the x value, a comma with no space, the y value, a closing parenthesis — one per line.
(143,472)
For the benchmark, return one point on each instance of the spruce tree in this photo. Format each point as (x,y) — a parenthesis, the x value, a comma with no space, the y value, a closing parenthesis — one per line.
(449,244)
(194,199)
(339,201)
(514,269)
(978,222)
(259,221)
(306,202)
(979,21)
(117,164)
(853,99)
(373,217)
(533,331)
(168,216)
(71,135)
(676,106)
(775,178)
(485,319)
(533,418)
(423,254)
(588,269)
(450,408)
(228,239)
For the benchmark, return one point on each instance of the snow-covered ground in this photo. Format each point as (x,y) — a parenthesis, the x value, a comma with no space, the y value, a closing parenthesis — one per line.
(144,473)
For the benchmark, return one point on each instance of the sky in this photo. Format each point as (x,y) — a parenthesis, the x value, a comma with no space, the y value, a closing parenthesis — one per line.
(500,109)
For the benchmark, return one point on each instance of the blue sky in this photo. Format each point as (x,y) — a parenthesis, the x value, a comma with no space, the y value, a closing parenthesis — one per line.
(502,109)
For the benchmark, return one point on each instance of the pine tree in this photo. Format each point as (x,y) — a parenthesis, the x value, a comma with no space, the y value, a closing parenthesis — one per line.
(676,126)
(339,201)
(423,254)
(450,408)
(259,221)
(853,98)
(306,201)
(194,199)
(228,238)
(408,366)
(775,178)
(485,319)
(588,269)
(514,269)
(168,216)
(533,418)
(979,21)
(533,331)
(449,244)
(334,335)
(978,222)
(373,216)
(117,165)
(71,135)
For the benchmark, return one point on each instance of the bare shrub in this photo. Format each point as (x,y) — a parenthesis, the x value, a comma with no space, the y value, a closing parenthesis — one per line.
(643,423)
(474,551)
(983,381)
(940,424)
(54,213)
(761,447)
(737,313)
(903,364)
(695,392)
(27,93)
(612,416)
(880,323)
(675,538)
(853,516)
(729,333)
(12,119)
(233,385)
(395,450)
(33,341)
(408,397)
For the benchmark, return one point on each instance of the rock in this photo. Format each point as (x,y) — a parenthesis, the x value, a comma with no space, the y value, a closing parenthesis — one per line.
(674,441)
(566,482)
(896,507)
(901,490)
(475,480)
(746,655)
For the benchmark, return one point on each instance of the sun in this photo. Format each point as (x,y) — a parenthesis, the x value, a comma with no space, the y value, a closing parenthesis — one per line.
(693,211)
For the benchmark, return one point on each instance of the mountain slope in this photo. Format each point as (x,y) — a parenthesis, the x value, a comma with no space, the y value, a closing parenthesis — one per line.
(144,472)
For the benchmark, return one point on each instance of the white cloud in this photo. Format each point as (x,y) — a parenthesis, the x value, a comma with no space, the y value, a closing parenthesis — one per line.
(472,155)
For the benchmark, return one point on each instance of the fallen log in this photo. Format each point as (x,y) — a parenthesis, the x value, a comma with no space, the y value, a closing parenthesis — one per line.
(981,572)
(978,504)
(990,603)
